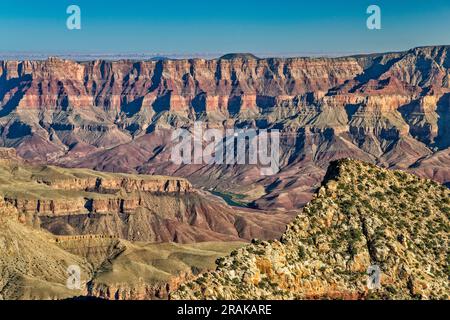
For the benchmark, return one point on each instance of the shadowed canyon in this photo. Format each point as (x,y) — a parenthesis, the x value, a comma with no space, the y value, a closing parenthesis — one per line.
(86,170)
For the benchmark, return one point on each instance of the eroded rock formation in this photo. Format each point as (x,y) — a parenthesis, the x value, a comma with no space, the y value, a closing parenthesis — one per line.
(362,216)
(134,207)
(390,109)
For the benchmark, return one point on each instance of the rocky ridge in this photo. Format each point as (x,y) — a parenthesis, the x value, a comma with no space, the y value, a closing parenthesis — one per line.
(127,206)
(34,263)
(390,109)
(361,216)
(32,266)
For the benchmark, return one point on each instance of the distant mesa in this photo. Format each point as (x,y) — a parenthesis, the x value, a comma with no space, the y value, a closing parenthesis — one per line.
(391,109)
(159,58)
(243,56)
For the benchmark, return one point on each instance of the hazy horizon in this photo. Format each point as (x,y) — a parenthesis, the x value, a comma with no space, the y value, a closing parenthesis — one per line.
(88,56)
(211,28)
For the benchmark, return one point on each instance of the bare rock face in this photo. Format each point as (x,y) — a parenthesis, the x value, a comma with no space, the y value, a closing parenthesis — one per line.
(34,263)
(153,271)
(390,109)
(178,82)
(362,216)
(133,207)
(8,154)
(32,266)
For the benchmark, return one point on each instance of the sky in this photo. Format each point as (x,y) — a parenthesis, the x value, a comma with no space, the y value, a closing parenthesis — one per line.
(208,26)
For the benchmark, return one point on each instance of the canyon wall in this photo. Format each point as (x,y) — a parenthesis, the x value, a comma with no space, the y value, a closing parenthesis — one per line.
(390,109)
(151,208)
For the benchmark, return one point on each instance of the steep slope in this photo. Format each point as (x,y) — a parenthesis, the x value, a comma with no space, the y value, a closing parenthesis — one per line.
(389,109)
(152,271)
(133,207)
(32,266)
(362,216)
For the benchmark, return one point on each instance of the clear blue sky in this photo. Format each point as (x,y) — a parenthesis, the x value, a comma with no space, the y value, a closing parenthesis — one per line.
(210,26)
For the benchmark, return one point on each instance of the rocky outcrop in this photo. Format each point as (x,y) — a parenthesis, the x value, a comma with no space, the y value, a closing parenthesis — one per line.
(8,154)
(134,207)
(362,216)
(137,291)
(390,109)
(114,84)
(34,265)
(30,206)
(153,271)
(151,184)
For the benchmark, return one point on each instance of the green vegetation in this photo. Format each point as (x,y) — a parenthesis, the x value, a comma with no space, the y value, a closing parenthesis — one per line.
(363,215)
